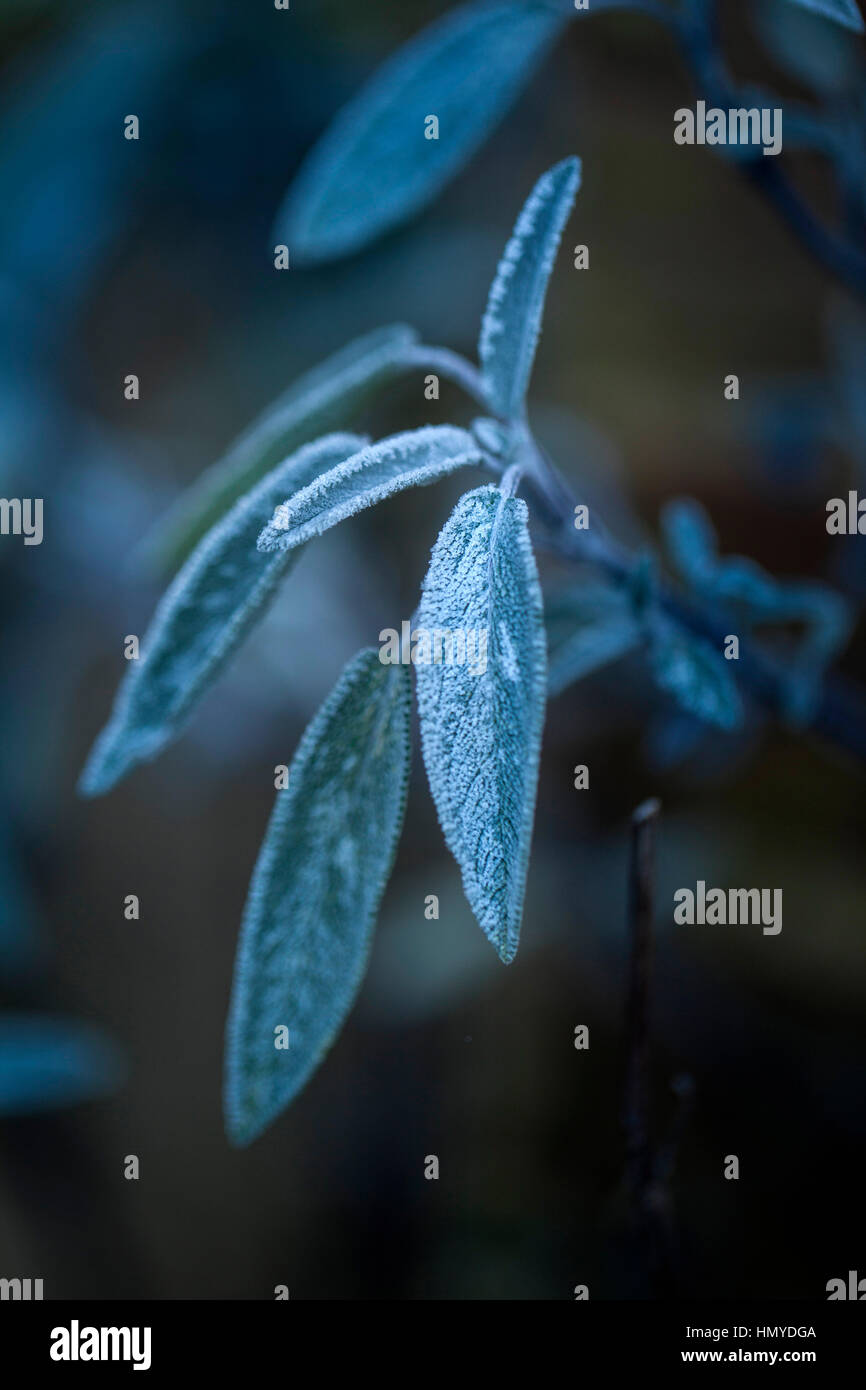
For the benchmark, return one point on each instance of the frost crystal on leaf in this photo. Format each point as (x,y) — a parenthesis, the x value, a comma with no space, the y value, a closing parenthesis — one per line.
(411,459)
(315,891)
(512,319)
(481,733)
(207,611)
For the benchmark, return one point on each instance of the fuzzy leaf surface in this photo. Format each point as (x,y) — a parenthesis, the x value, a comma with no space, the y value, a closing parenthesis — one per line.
(512,320)
(410,459)
(481,722)
(201,620)
(315,891)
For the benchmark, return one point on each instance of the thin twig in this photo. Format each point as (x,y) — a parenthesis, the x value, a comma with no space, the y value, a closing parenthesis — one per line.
(696,32)
(639,1164)
(453,367)
(840,709)
(652,1250)
(683,1087)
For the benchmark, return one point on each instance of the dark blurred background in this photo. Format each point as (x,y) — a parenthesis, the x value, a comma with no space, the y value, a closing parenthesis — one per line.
(156,257)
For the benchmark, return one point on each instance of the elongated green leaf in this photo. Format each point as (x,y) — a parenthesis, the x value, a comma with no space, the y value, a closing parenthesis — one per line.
(201,620)
(588,626)
(512,320)
(824,57)
(481,718)
(316,890)
(394,464)
(320,400)
(47,1062)
(740,583)
(844,12)
(697,676)
(690,540)
(374,167)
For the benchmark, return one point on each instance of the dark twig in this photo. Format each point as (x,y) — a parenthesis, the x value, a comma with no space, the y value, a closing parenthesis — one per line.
(640,917)
(651,1252)
(696,31)
(683,1088)
(844,260)
(840,711)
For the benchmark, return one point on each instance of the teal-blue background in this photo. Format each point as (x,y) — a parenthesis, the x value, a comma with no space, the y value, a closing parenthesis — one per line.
(156,258)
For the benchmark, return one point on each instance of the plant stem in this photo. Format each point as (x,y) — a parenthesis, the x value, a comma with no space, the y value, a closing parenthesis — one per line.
(511,480)
(695,31)
(840,713)
(639,1164)
(452,366)
(683,1088)
(648,1171)
(844,261)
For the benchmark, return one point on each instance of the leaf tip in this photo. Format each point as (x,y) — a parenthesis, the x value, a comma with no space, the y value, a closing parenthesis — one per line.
(239,1134)
(507,951)
(574,168)
(101,771)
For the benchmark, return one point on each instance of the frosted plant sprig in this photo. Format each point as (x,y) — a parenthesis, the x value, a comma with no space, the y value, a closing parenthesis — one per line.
(330,844)
(471,65)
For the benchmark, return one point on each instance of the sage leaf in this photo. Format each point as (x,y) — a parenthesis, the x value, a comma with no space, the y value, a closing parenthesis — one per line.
(315,891)
(588,627)
(512,320)
(46,1062)
(373,168)
(696,675)
(742,585)
(481,719)
(690,540)
(844,12)
(206,612)
(823,57)
(320,400)
(403,460)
